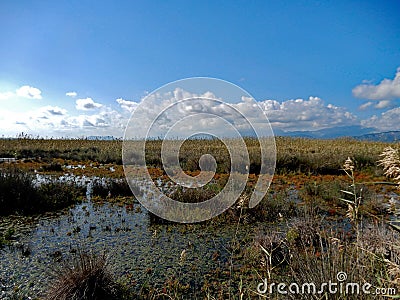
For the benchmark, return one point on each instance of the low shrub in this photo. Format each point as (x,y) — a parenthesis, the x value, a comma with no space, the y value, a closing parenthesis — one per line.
(111,187)
(19,194)
(274,206)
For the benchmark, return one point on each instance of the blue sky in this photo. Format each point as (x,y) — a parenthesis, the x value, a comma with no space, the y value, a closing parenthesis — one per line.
(345,55)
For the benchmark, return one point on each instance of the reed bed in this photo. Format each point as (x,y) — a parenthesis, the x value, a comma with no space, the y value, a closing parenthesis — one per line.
(294,155)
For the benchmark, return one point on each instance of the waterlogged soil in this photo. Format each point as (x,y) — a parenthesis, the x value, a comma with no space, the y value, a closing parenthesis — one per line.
(139,253)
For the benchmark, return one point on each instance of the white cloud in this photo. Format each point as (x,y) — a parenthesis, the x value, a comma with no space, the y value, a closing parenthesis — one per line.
(311,114)
(387,89)
(25,91)
(365,105)
(86,121)
(29,92)
(380,105)
(386,121)
(166,109)
(53,110)
(106,122)
(71,94)
(383,104)
(97,119)
(56,121)
(290,115)
(87,104)
(127,104)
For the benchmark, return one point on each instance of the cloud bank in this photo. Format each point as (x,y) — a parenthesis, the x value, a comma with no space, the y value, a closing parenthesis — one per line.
(310,114)
(386,121)
(24,91)
(90,117)
(127,104)
(387,89)
(87,104)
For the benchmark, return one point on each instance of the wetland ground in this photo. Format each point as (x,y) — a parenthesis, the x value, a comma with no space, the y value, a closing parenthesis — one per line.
(61,198)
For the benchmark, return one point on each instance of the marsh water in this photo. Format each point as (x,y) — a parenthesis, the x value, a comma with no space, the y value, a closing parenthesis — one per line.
(139,253)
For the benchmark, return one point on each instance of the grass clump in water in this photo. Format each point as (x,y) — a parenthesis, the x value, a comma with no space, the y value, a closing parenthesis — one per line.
(87,277)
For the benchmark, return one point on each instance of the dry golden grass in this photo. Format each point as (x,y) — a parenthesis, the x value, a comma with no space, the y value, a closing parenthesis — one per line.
(298,155)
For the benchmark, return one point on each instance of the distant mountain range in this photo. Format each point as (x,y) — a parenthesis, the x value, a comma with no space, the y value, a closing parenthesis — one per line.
(389,136)
(356,132)
(329,133)
(101,138)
